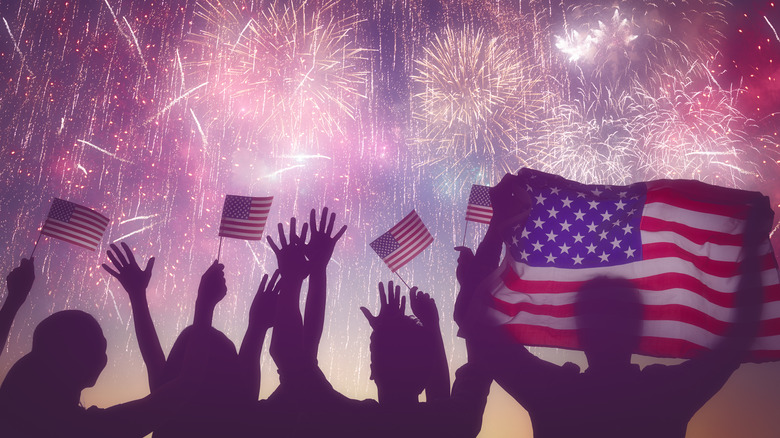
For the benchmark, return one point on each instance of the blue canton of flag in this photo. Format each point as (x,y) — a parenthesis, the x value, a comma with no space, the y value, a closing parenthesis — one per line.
(576,226)
(384,245)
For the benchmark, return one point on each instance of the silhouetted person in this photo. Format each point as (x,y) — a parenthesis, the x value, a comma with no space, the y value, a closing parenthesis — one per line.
(40,396)
(19,282)
(295,342)
(407,356)
(229,381)
(613,397)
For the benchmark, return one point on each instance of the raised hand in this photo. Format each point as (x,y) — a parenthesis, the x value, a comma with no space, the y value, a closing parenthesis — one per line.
(212,288)
(135,281)
(263,309)
(423,307)
(19,282)
(130,276)
(291,256)
(390,305)
(319,250)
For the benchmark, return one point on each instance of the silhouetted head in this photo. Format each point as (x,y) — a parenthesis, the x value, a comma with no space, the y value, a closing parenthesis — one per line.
(609,319)
(72,345)
(208,357)
(401,356)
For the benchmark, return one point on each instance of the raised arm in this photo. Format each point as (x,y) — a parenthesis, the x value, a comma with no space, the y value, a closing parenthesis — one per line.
(135,282)
(319,251)
(211,291)
(19,282)
(287,348)
(424,308)
(261,318)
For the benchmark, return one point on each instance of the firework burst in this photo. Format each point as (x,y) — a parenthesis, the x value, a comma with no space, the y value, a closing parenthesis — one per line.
(291,69)
(641,42)
(473,96)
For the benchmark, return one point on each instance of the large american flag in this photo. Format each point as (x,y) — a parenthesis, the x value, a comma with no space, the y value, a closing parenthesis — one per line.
(680,242)
(75,224)
(244,217)
(479,208)
(403,242)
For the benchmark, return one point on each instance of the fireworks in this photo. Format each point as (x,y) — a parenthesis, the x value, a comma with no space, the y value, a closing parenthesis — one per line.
(472,96)
(691,131)
(641,42)
(293,70)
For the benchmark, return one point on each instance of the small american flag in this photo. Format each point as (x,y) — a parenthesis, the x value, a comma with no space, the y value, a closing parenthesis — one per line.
(75,224)
(679,242)
(244,217)
(479,208)
(403,242)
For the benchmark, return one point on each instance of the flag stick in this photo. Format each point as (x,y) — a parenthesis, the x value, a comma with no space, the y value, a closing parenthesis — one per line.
(465,230)
(36,244)
(219,250)
(402,280)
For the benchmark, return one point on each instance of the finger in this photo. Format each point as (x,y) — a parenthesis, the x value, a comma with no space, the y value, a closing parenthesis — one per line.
(324,220)
(273,285)
(261,288)
(371,318)
(282,238)
(331,222)
(382,296)
(149,266)
(130,256)
(114,260)
(313,220)
(110,271)
(339,234)
(304,232)
(272,244)
(403,305)
(119,255)
(293,235)
(391,295)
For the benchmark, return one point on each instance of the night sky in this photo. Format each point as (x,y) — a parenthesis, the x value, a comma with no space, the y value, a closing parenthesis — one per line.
(152,111)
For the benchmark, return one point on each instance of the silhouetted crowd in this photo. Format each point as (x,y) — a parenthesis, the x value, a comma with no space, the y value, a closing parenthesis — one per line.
(205,387)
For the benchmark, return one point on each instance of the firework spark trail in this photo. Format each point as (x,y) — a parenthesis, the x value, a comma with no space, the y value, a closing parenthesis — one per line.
(81,168)
(773,28)
(138,218)
(136,232)
(254,254)
(110,154)
(181,68)
(200,129)
(16,47)
(110,293)
(137,46)
(175,101)
(280,171)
